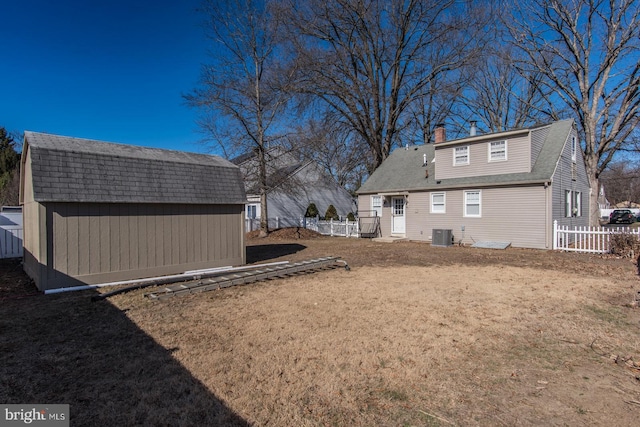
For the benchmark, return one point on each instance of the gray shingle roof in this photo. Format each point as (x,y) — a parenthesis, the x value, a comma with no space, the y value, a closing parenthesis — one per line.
(403,170)
(66,169)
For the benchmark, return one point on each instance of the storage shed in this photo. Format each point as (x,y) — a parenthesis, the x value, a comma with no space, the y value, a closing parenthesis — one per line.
(97,212)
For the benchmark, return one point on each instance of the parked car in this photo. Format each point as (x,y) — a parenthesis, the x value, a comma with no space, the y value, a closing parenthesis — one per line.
(622,216)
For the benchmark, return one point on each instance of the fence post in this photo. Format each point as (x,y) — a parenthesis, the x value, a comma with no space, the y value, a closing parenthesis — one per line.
(555,234)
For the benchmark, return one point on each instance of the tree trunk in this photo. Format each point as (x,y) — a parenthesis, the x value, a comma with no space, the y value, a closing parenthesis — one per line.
(594,182)
(264,217)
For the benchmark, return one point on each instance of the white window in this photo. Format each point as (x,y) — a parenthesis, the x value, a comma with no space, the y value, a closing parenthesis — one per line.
(461,156)
(472,203)
(572,203)
(497,151)
(574,148)
(438,203)
(376,205)
(252,211)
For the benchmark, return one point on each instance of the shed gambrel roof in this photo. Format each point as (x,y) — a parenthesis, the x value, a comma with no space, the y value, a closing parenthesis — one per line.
(404,170)
(66,169)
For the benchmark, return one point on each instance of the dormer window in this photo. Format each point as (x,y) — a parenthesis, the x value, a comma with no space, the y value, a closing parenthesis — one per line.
(497,151)
(461,156)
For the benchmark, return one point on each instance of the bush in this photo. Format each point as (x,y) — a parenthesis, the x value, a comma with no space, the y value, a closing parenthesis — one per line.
(351,217)
(332,213)
(312,211)
(625,245)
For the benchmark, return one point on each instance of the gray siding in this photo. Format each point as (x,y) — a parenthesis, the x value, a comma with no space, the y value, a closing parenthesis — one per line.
(562,181)
(308,185)
(538,137)
(515,215)
(518,159)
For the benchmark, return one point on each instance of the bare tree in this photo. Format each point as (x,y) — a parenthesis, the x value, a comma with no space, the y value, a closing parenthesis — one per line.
(370,61)
(587,51)
(243,91)
(502,96)
(330,145)
(621,181)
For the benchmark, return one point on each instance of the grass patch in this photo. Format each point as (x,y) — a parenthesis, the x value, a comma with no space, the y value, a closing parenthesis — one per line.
(611,314)
(395,395)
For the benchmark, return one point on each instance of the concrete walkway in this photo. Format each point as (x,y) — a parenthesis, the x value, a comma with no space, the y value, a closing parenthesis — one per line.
(390,239)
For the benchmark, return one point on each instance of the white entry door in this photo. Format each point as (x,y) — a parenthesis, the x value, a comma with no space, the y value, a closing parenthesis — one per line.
(397,215)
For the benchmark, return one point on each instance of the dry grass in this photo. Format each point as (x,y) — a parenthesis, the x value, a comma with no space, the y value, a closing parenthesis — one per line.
(412,335)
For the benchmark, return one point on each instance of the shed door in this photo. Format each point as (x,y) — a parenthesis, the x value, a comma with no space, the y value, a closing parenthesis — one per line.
(397,215)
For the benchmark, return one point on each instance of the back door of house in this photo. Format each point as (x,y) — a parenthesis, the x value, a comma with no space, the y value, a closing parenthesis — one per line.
(397,215)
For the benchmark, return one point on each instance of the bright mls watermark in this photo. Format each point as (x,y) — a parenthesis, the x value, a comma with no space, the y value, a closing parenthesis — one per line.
(34,415)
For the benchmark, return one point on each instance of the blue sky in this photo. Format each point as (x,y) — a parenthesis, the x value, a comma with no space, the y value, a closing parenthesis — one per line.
(111,70)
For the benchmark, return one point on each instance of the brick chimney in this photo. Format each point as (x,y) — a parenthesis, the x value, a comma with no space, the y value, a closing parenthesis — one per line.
(440,133)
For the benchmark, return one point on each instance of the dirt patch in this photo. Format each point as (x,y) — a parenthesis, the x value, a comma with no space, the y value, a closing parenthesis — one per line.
(289,233)
(412,335)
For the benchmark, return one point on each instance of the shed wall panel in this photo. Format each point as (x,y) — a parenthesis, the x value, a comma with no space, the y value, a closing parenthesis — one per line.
(94,243)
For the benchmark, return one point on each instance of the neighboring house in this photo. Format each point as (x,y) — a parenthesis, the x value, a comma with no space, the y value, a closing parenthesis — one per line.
(604,207)
(626,205)
(502,187)
(292,184)
(97,212)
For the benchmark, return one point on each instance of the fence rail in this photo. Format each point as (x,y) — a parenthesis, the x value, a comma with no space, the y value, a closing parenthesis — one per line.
(328,228)
(587,239)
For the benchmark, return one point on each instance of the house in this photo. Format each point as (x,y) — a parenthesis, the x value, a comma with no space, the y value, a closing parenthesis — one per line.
(501,187)
(97,212)
(293,184)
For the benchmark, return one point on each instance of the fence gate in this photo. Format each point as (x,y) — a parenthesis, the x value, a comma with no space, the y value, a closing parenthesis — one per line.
(11,232)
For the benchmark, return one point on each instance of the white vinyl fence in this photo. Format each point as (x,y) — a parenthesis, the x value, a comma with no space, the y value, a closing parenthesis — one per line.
(344,228)
(11,232)
(587,239)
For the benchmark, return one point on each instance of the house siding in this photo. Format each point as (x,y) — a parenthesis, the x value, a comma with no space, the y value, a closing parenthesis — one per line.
(518,159)
(538,137)
(523,227)
(562,181)
(308,185)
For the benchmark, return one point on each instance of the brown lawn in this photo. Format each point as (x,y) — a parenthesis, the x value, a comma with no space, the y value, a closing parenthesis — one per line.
(412,335)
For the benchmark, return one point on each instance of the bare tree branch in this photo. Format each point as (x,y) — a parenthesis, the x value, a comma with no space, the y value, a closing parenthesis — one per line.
(588,52)
(244,90)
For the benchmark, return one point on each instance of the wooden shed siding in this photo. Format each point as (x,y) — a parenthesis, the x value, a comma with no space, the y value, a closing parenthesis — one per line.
(523,227)
(34,225)
(95,242)
(518,159)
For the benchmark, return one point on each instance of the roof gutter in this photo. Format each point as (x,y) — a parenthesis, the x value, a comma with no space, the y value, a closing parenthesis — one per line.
(439,187)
